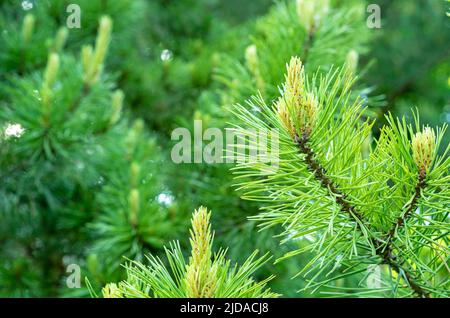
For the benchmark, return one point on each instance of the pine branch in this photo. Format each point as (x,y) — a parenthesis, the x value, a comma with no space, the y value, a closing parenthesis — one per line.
(311,14)
(424,146)
(205,275)
(385,253)
(323,125)
(320,175)
(411,207)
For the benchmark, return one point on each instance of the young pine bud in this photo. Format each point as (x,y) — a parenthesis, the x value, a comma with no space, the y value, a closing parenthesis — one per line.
(86,59)
(352,61)
(200,274)
(133,135)
(111,291)
(423,146)
(51,72)
(252,61)
(101,47)
(93,59)
(251,58)
(200,236)
(305,13)
(28,28)
(134,174)
(295,78)
(103,38)
(311,12)
(133,205)
(60,39)
(117,103)
(138,126)
(298,108)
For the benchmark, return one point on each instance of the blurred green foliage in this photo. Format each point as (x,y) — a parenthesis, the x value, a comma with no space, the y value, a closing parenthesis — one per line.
(411,53)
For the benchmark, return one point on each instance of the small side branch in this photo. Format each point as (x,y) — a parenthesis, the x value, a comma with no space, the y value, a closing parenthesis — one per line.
(386,249)
(412,205)
(325,181)
(320,174)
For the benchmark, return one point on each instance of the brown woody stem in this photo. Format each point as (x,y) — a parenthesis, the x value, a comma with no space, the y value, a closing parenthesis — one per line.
(412,205)
(386,249)
(341,199)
